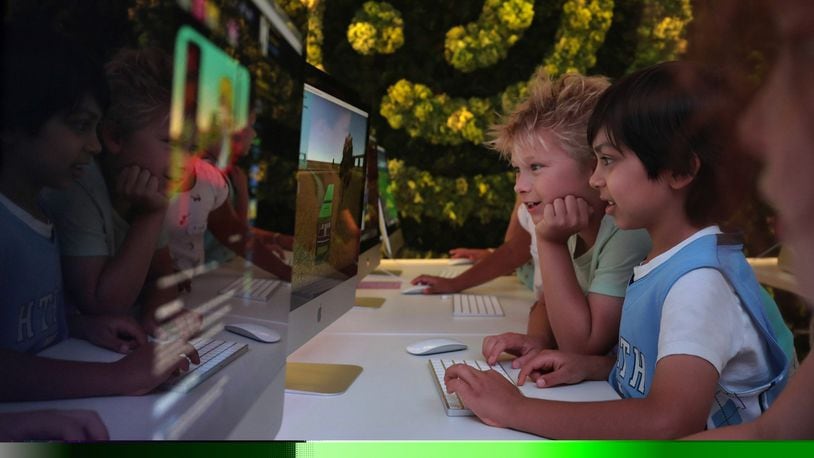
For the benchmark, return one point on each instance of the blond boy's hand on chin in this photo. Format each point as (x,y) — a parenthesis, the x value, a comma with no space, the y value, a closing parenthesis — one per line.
(142,189)
(562,218)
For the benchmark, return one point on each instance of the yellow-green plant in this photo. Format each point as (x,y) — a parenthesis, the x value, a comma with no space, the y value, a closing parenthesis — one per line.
(581,33)
(662,31)
(377,28)
(420,194)
(483,43)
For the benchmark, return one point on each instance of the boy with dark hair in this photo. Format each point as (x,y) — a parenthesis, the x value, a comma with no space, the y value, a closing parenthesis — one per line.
(695,347)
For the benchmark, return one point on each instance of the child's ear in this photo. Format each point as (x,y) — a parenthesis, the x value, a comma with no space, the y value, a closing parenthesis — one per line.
(110,138)
(683,180)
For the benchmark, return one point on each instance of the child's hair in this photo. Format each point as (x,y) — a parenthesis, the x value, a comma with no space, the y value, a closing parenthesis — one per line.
(140,82)
(663,113)
(562,106)
(45,73)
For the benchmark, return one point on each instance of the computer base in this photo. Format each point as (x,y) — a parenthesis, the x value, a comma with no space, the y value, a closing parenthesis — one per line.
(370,302)
(320,379)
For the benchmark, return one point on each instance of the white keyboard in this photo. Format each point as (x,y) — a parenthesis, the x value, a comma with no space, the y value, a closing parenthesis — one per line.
(214,355)
(466,305)
(452,403)
(256,289)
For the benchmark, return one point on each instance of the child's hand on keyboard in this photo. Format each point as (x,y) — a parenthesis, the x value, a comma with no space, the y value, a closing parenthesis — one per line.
(115,332)
(486,393)
(550,368)
(513,343)
(437,285)
(152,364)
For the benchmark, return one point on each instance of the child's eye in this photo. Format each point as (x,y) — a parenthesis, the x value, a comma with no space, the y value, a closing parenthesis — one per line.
(81,126)
(535,167)
(605,160)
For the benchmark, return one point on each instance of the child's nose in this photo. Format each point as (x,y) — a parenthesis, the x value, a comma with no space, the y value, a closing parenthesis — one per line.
(597,180)
(521,184)
(94,146)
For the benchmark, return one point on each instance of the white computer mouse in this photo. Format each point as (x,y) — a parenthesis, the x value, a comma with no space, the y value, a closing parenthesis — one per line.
(254,331)
(433,346)
(460,262)
(415,289)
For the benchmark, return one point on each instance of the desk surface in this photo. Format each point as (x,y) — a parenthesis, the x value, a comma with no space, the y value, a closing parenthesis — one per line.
(395,396)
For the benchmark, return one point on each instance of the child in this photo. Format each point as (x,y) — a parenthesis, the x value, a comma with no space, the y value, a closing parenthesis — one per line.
(49,138)
(574,245)
(110,220)
(718,360)
(776,127)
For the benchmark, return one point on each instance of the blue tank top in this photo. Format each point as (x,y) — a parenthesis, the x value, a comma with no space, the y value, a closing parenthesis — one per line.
(33,313)
(641,317)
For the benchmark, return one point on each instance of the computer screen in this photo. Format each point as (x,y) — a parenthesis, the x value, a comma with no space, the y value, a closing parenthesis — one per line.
(392,236)
(330,191)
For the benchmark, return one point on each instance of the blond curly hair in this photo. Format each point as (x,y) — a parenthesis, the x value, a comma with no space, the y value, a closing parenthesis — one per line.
(561,106)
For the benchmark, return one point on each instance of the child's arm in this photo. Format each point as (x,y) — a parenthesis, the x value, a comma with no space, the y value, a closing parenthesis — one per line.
(580,324)
(791,417)
(111,284)
(512,254)
(678,404)
(235,235)
(38,378)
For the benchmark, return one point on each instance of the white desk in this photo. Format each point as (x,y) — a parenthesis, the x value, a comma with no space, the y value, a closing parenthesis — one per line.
(395,396)
(241,401)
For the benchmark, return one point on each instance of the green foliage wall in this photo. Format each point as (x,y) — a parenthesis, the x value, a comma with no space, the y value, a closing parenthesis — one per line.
(431,107)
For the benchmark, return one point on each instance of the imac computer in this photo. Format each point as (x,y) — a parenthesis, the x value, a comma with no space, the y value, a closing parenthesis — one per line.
(330,190)
(392,236)
(228,82)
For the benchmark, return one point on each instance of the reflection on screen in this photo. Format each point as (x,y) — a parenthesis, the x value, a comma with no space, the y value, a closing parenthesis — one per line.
(330,185)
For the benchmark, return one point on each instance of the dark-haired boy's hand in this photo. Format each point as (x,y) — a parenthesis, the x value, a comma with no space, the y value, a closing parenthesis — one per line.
(119,333)
(61,425)
(151,364)
(563,218)
(549,368)
(509,342)
(488,394)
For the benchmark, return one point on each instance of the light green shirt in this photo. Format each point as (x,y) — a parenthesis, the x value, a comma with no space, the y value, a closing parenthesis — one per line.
(607,266)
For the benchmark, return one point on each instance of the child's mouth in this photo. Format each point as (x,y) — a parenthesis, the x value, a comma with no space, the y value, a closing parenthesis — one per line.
(532,205)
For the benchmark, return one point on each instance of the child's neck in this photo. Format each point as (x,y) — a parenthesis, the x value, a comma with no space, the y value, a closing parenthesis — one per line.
(587,237)
(669,233)
(20,190)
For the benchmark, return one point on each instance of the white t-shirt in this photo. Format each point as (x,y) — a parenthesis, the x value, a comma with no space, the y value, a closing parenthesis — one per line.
(702,316)
(188,213)
(524,218)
